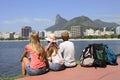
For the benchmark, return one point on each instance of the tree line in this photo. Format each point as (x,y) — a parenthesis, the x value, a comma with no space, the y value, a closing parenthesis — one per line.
(78,37)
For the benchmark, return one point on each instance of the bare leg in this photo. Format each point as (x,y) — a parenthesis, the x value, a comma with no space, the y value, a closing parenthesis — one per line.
(23,68)
(24,62)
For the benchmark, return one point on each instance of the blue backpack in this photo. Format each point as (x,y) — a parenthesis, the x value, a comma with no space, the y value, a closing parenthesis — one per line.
(112,58)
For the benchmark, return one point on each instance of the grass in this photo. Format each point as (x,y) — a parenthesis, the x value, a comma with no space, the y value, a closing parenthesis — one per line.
(8,78)
(118,54)
(78,62)
(12,78)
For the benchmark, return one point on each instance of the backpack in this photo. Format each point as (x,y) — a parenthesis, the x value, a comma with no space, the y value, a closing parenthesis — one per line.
(86,59)
(99,55)
(112,58)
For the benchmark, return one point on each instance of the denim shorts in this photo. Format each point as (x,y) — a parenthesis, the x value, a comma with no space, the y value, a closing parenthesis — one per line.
(56,66)
(33,72)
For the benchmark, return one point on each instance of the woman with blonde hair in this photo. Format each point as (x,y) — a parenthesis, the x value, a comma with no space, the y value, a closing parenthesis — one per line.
(54,58)
(34,64)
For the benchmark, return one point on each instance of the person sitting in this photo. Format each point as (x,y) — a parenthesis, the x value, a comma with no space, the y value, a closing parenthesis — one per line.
(35,63)
(54,57)
(67,50)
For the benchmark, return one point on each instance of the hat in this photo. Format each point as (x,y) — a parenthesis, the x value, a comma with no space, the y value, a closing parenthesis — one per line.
(51,38)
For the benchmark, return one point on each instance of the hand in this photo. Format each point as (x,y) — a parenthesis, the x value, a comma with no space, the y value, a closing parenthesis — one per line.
(49,59)
(61,62)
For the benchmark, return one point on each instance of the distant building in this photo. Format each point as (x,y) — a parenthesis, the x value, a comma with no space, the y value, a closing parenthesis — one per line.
(25,31)
(8,35)
(47,33)
(89,32)
(41,34)
(98,33)
(118,30)
(1,35)
(17,35)
(58,32)
(76,31)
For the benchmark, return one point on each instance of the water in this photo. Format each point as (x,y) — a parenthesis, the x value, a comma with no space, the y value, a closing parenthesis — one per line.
(11,51)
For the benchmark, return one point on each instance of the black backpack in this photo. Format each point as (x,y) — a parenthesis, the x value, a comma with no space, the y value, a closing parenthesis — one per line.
(93,55)
(100,57)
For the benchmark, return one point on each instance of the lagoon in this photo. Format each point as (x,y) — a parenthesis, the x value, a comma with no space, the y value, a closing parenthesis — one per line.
(11,51)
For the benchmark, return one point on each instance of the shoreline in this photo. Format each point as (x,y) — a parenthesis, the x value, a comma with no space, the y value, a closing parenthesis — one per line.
(95,39)
(61,40)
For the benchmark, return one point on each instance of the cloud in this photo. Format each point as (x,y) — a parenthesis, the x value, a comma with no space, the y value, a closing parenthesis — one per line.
(29,21)
(42,20)
(23,20)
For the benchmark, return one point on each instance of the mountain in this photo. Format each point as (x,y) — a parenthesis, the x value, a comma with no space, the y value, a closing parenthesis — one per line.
(80,21)
(83,21)
(105,24)
(59,24)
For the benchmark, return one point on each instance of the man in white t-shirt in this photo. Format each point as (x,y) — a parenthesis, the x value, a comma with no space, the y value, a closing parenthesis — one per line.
(67,50)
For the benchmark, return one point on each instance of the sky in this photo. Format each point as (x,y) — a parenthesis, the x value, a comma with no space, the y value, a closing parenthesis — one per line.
(41,14)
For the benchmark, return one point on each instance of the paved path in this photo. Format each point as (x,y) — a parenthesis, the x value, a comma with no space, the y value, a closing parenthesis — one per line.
(80,73)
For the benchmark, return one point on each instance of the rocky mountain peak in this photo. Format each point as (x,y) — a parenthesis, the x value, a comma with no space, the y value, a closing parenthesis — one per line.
(59,20)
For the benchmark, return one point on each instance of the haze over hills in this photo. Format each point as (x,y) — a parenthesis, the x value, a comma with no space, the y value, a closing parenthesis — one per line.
(83,21)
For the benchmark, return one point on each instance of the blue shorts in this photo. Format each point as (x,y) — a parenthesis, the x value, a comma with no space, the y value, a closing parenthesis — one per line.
(56,66)
(33,72)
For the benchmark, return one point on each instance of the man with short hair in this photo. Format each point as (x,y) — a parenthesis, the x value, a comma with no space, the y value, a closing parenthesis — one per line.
(67,49)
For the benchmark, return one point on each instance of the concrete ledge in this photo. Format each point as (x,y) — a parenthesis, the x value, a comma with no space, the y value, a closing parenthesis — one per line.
(80,73)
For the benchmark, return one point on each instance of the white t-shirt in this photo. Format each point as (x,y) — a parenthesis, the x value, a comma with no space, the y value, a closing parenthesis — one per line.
(68,51)
(56,58)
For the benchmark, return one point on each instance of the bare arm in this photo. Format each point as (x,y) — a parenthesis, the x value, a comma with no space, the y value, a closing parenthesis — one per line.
(23,55)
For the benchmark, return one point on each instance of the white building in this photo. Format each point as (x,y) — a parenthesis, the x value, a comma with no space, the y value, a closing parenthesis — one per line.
(47,33)
(98,33)
(58,32)
(17,35)
(89,32)
(1,35)
(6,35)
(41,34)
(118,30)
